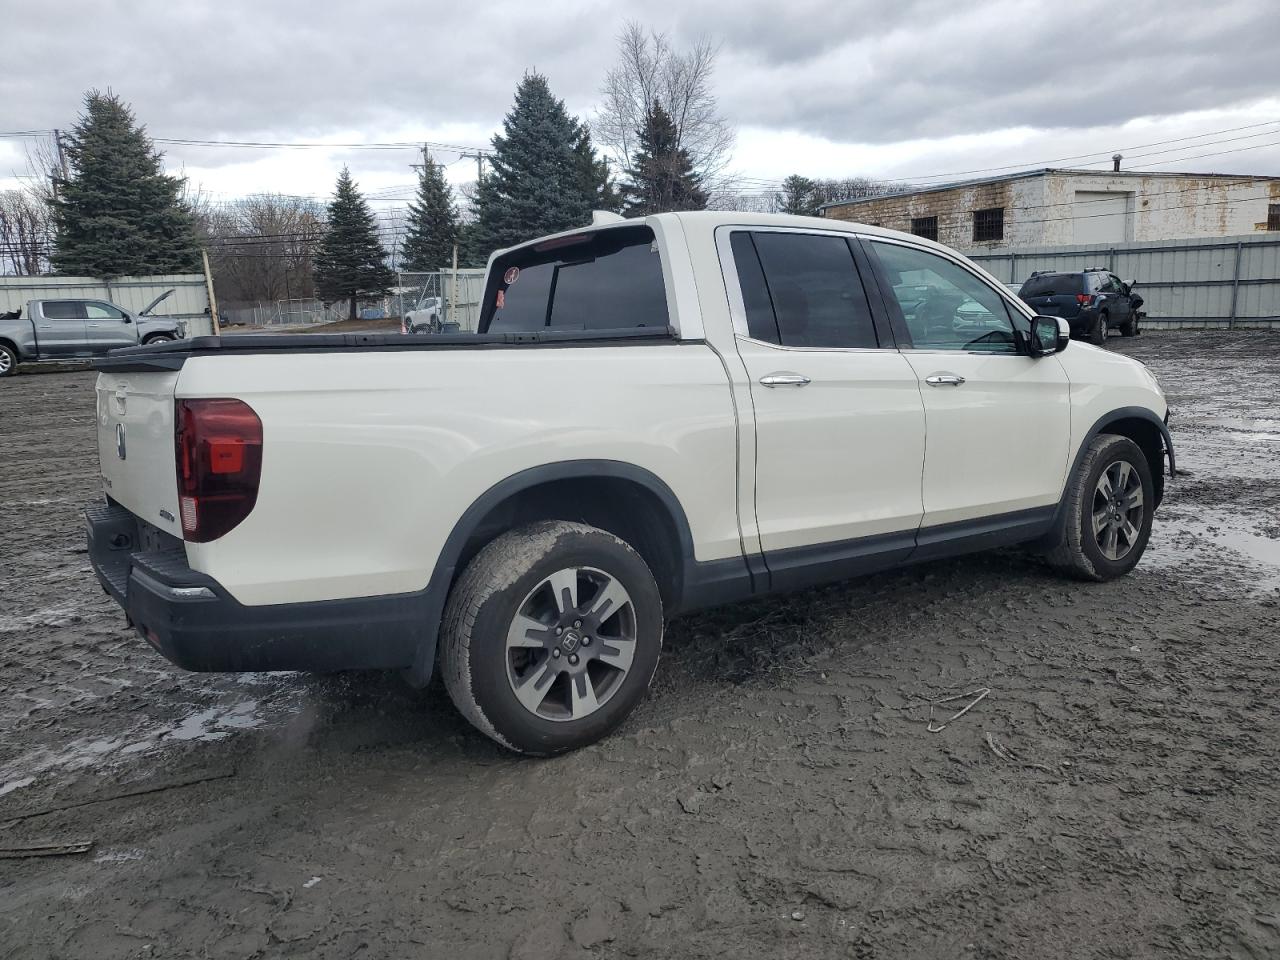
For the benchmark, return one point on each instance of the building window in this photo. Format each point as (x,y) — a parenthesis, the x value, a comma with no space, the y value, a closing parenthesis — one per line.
(1273,216)
(988,224)
(926,227)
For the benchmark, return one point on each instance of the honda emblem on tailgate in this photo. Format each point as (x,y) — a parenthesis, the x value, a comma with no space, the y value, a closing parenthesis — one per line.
(120,449)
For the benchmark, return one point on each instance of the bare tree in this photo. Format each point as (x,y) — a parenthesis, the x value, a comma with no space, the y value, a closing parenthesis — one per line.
(25,233)
(650,69)
(261,247)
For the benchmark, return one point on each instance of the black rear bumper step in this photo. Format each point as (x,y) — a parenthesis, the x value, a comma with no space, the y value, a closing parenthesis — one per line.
(194,622)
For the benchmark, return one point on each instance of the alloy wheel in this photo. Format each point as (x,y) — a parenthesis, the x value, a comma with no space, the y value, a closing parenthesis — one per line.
(1117,510)
(571,643)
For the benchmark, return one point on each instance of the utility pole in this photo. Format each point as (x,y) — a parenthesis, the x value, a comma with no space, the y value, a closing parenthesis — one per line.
(213,300)
(62,162)
(479,159)
(453,297)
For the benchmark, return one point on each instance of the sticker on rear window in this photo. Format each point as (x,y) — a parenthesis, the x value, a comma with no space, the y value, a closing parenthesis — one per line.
(511,276)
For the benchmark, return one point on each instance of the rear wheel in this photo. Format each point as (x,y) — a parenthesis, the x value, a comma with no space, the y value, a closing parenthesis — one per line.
(1106,519)
(8,361)
(551,636)
(1098,329)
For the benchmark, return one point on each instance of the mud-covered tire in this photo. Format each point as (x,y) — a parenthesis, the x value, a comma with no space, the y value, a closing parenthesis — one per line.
(1075,549)
(1098,329)
(480,667)
(8,361)
(1130,327)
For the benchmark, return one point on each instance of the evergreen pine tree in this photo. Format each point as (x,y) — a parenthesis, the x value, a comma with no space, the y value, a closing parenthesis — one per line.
(349,263)
(799,196)
(663,178)
(433,222)
(535,184)
(595,181)
(119,213)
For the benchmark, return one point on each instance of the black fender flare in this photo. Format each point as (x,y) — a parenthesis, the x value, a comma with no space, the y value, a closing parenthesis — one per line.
(1100,426)
(1129,413)
(437,590)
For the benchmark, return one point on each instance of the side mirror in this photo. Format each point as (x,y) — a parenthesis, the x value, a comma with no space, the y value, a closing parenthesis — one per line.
(1048,335)
(127,318)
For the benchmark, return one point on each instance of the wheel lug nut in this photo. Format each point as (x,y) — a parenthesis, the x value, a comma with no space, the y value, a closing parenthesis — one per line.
(577,624)
(573,659)
(586,641)
(559,630)
(556,653)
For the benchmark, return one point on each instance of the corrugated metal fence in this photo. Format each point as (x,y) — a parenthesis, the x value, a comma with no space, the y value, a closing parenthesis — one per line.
(1211,282)
(189,301)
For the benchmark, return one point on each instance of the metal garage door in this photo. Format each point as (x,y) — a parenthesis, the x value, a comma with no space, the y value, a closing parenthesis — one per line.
(1100,217)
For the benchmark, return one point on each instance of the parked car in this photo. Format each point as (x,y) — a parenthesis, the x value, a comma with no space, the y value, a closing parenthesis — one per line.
(655,416)
(1014,288)
(425,317)
(59,329)
(1092,301)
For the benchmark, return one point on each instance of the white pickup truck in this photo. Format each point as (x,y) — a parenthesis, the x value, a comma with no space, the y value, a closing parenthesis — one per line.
(655,416)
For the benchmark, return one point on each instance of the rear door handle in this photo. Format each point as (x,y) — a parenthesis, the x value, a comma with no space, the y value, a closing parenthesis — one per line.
(944,380)
(785,380)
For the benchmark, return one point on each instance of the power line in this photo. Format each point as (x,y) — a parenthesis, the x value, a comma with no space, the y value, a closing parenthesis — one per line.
(299,145)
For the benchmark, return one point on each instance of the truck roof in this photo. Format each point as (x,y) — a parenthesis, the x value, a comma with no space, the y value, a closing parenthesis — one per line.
(710,220)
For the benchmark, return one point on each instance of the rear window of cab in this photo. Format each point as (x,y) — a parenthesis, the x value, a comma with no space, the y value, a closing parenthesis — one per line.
(603,280)
(1053,284)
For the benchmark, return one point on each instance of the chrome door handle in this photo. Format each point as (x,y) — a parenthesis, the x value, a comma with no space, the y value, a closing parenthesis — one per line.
(784,380)
(944,380)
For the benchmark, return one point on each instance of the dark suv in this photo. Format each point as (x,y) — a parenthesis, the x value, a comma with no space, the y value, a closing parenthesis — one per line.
(1092,301)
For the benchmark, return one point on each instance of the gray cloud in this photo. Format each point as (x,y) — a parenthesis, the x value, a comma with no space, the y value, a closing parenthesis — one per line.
(860,71)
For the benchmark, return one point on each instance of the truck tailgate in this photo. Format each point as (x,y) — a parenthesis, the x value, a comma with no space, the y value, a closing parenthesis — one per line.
(136,444)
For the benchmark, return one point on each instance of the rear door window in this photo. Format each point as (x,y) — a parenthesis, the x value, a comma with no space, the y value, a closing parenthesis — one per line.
(63,309)
(610,280)
(813,287)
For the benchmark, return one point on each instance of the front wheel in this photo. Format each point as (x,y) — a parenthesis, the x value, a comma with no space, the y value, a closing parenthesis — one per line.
(1130,327)
(8,361)
(1106,517)
(551,636)
(158,338)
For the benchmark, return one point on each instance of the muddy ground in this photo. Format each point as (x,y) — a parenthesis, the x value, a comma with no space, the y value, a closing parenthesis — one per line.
(778,795)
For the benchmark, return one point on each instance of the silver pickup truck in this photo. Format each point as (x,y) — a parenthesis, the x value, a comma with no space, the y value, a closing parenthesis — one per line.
(67,329)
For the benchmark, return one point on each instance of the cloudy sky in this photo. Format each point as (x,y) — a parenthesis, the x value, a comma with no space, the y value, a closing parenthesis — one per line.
(917,89)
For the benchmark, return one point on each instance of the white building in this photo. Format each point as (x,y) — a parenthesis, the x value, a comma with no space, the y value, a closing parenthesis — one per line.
(1058,206)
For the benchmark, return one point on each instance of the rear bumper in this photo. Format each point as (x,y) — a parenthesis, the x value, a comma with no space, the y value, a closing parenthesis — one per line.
(192,620)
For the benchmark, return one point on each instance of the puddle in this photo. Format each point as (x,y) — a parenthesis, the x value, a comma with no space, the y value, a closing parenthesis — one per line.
(217,722)
(13,785)
(1200,540)
(205,725)
(48,617)
(118,856)
(1247,424)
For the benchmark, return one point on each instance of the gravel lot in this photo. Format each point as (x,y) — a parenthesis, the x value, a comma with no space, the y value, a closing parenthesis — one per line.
(778,795)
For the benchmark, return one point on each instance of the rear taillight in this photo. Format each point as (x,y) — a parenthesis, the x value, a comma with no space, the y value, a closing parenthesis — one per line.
(1083,299)
(219,453)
